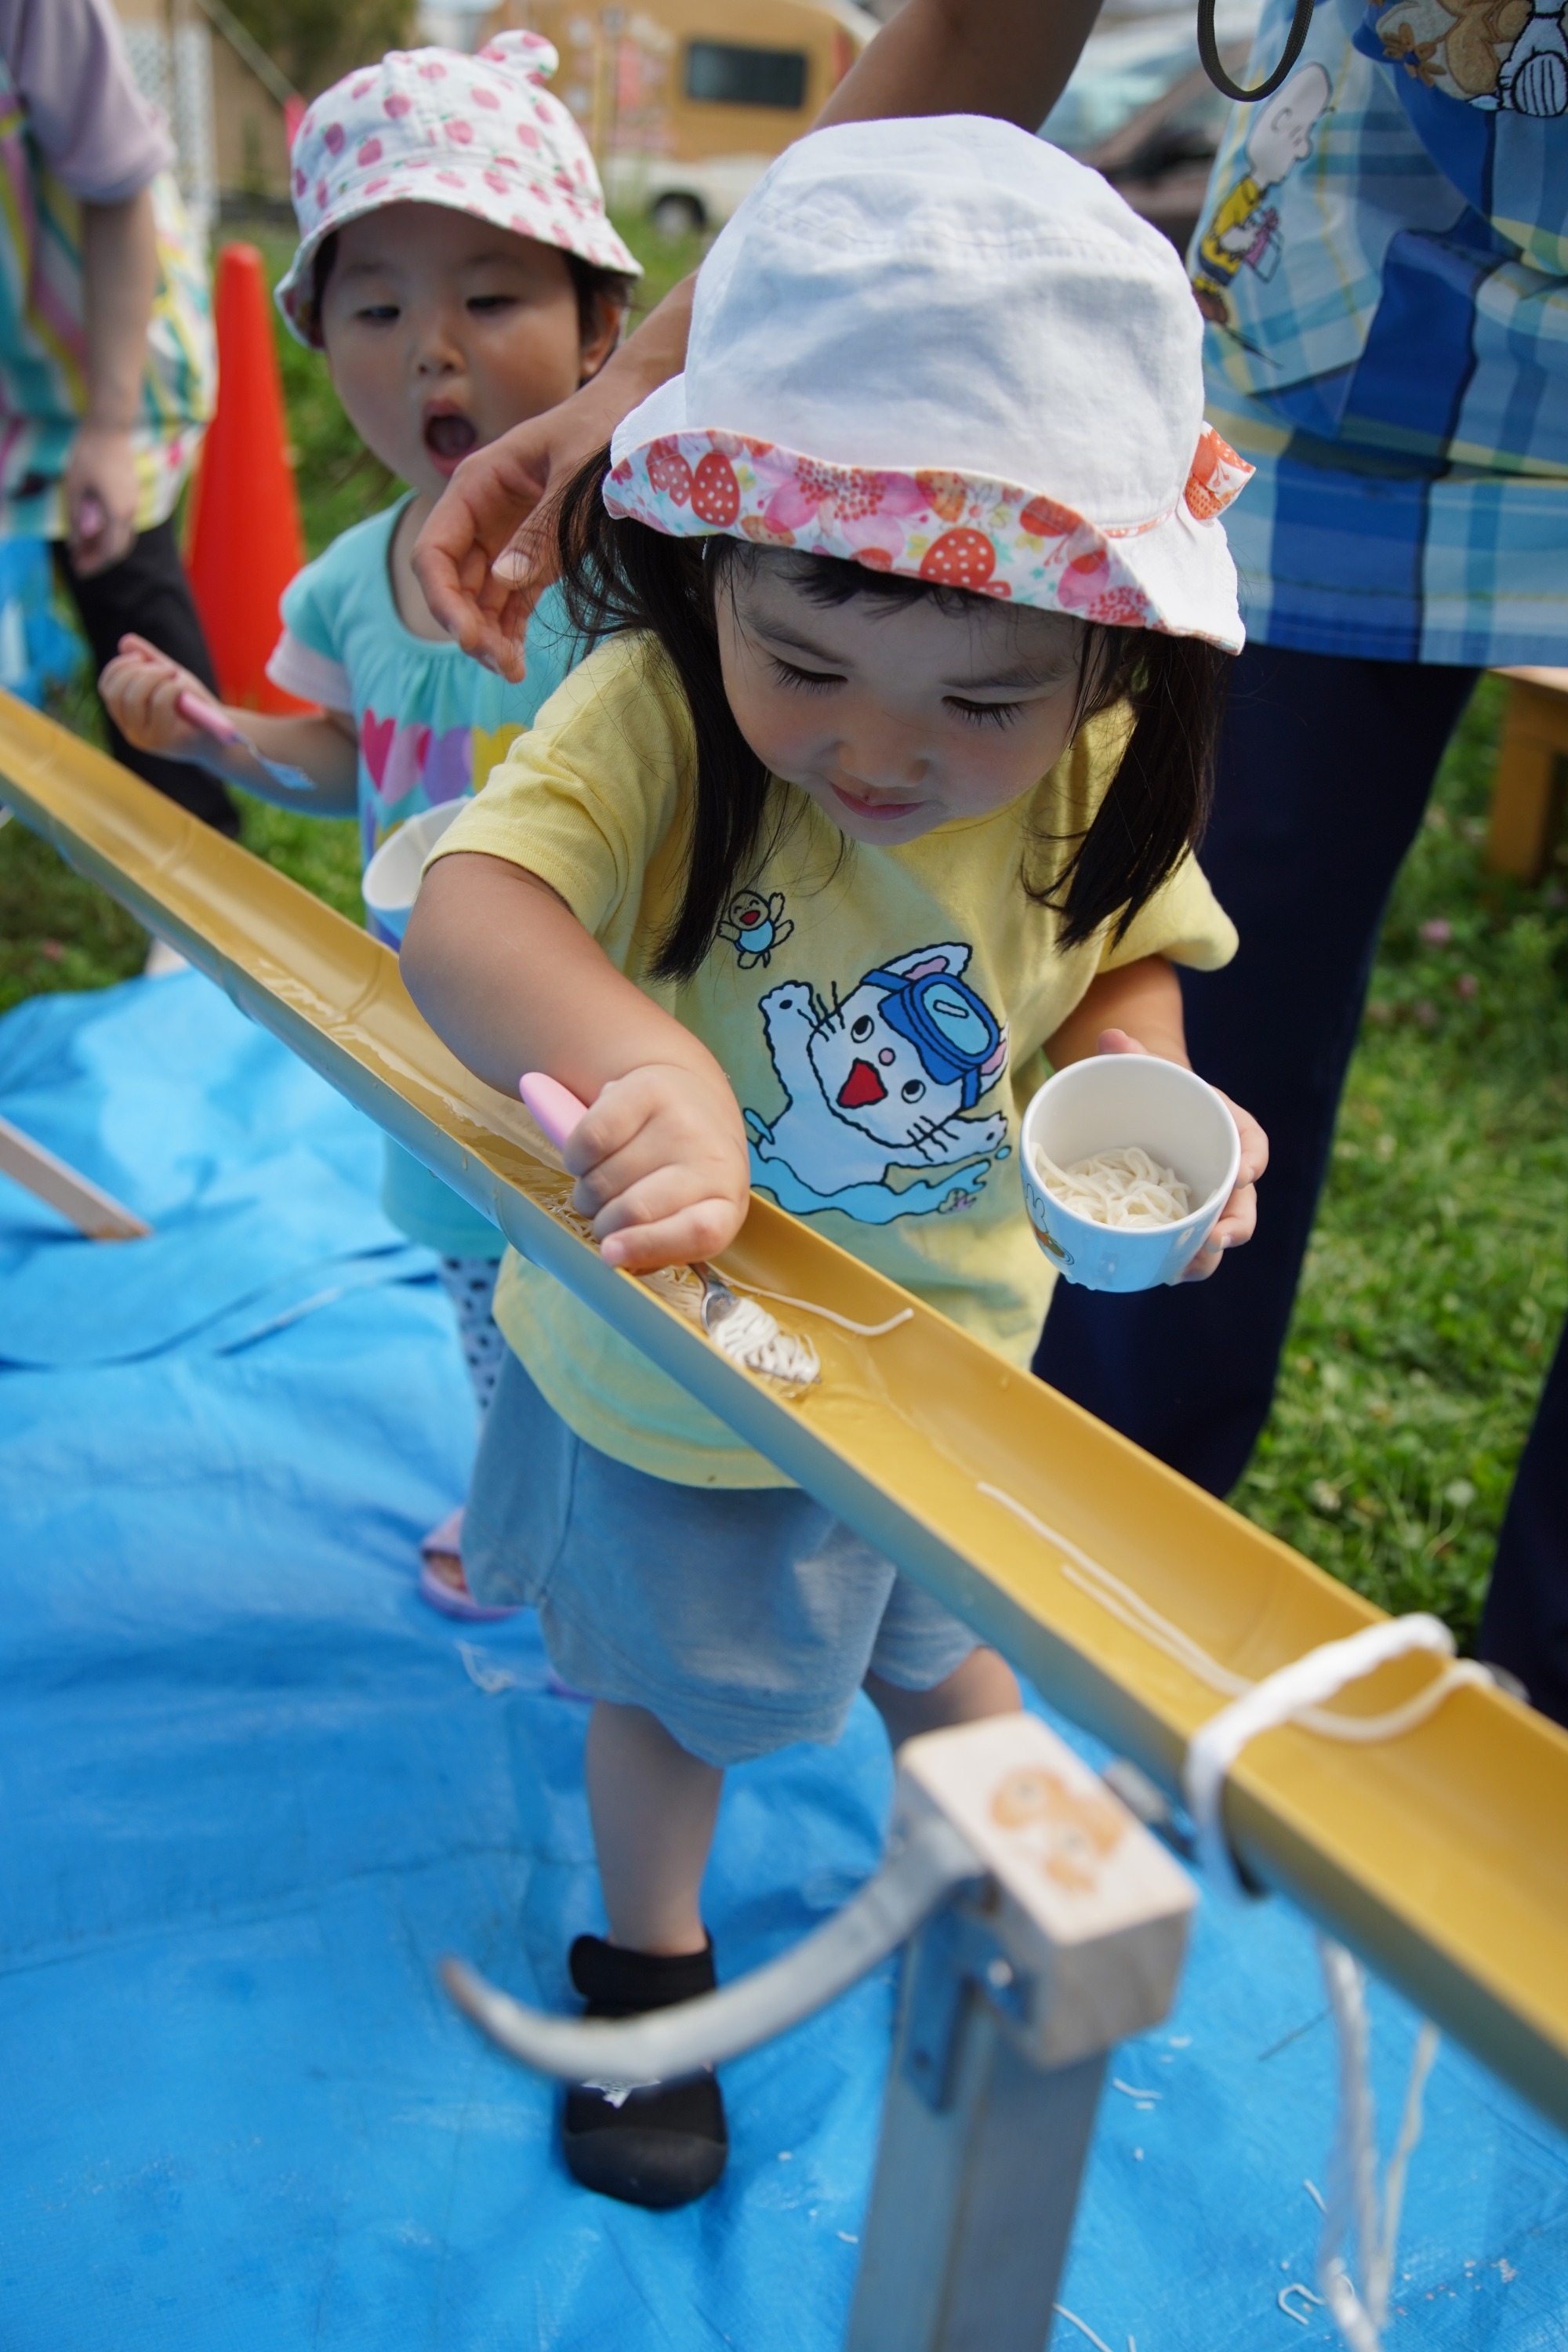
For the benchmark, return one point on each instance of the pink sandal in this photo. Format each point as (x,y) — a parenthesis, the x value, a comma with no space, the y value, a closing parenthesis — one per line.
(449,1598)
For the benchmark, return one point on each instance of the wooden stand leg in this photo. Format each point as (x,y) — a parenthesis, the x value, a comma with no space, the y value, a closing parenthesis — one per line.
(1012,1999)
(974,2198)
(1527,796)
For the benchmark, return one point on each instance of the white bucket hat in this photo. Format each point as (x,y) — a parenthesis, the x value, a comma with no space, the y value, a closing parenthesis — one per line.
(480,134)
(941,347)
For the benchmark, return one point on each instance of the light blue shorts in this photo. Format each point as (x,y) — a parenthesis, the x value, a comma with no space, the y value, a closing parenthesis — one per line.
(743,1618)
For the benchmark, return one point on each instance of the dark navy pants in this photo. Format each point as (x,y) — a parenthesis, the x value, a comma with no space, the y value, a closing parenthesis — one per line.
(147,590)
(1325,768)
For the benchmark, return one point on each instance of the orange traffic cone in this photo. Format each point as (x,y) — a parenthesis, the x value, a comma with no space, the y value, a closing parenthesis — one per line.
(245,543)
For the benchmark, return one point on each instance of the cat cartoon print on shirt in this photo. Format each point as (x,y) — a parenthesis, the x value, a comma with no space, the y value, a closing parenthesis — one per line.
(881,1081)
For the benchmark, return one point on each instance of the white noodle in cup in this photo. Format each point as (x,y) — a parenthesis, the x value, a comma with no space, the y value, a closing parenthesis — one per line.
(1107,1104)
(390,882)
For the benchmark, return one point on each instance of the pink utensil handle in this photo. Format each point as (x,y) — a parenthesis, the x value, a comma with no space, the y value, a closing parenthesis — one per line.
(555,1106)
(207,716)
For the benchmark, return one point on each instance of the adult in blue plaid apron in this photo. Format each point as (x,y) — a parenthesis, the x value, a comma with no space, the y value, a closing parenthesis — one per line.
(1383,262)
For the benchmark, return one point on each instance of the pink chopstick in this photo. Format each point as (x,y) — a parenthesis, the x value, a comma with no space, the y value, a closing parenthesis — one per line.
(555,1106)
(207,716)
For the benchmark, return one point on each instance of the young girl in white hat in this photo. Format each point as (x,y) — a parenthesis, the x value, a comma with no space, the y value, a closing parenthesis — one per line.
(457,271)
(878,793)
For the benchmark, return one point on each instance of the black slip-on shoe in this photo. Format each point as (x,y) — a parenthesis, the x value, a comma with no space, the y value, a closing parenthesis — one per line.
(662,2144)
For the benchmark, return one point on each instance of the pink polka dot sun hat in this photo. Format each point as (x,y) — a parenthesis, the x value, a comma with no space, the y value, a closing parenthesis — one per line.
(941,347)
(481,134)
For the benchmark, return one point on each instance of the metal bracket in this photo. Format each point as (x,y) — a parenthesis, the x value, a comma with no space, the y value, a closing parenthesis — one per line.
(955,1960)
(1012,1996)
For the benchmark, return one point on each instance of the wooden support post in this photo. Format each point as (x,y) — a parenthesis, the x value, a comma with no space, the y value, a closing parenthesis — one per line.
(1527,792)
(1010,2003)
(91,1209)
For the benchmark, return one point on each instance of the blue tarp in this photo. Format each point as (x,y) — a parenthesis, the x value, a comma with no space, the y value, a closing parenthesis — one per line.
(251,1789)
(39,647)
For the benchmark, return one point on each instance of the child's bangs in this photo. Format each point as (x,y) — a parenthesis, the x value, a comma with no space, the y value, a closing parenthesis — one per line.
(832,581)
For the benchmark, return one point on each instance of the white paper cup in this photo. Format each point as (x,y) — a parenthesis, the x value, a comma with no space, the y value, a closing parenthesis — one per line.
(391,881)
(1107,1104)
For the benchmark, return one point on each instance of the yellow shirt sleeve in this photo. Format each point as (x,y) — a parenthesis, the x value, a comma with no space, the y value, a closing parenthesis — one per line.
(590,798)
(1182,920)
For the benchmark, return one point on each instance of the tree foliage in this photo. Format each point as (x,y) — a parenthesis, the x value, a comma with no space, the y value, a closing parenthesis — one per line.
(314,41)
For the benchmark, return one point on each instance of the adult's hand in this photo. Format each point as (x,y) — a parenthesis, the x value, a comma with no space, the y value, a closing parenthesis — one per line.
(488,551)
(99,489)
(1237,1220)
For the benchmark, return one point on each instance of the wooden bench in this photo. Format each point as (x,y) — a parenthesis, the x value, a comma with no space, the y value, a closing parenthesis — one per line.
(1532,773)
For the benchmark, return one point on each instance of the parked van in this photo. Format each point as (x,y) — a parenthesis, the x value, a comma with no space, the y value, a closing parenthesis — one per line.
(685,102)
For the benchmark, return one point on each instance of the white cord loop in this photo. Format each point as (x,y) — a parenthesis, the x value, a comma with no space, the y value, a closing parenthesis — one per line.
(1288,1694)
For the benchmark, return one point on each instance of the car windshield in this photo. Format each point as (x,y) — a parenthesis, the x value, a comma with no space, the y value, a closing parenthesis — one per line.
(1131,62)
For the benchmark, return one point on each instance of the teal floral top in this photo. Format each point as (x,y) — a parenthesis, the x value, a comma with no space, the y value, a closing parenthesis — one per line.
(431,726)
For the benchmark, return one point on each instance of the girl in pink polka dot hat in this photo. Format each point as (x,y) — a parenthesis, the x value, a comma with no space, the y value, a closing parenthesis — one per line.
(457,273)
(480,134)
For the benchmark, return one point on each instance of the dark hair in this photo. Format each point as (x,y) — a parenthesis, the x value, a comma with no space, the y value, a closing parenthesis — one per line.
(595,287)
(620,576)
(320,270)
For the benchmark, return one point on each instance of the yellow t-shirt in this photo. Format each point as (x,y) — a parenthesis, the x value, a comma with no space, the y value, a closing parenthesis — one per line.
(880,1014)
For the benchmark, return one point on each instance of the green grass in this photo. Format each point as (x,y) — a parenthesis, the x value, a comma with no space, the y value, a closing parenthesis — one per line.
(1437,1281)
(57,931)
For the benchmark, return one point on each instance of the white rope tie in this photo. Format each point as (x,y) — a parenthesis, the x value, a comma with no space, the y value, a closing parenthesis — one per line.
(1294,1694)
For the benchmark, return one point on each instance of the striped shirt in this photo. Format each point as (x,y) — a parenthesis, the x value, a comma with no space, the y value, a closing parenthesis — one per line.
(43,339)
(1383,262)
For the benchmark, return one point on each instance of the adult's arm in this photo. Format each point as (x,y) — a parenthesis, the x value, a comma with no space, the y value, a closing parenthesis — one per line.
(68,64)
(485,556)
(1009,58)
(120,280)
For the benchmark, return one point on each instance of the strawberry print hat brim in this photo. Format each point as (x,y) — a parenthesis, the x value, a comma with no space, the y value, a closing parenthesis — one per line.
(480,134)
(943,348)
